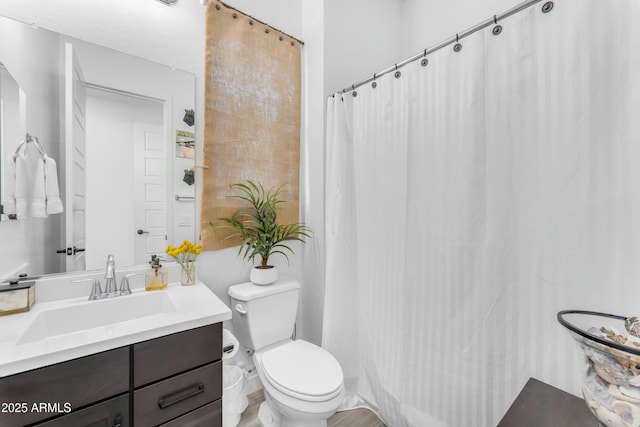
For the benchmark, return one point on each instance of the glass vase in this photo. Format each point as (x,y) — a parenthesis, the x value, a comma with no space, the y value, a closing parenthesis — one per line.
(188,273)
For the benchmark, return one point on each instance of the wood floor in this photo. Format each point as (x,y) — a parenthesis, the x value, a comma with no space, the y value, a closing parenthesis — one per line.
(353,418)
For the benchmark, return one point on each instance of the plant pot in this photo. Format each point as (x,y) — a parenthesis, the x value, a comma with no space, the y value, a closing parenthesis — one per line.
(264,276)
(188,119)
(189,179)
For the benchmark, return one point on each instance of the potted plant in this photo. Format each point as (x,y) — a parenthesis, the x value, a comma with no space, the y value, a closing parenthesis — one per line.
(189,176)
(189,117)
(257,226)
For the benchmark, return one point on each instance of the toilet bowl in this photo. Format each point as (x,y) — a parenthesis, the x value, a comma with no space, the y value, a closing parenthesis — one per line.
(303,383)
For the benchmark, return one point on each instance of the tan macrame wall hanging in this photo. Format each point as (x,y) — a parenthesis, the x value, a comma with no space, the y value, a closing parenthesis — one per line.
(252,116)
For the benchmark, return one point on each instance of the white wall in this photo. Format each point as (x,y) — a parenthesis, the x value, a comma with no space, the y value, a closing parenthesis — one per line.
(312,176)
(362,38)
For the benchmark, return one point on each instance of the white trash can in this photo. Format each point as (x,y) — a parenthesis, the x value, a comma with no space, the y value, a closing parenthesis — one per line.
(234,400)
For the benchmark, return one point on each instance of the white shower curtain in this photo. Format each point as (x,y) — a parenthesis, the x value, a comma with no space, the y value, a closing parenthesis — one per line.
(469,200)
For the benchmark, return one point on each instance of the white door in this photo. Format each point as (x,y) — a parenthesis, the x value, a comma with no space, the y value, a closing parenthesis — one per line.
(151,176)
(75,184)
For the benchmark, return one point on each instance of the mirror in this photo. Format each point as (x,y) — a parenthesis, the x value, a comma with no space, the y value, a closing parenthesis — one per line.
(9,113)
(118,129)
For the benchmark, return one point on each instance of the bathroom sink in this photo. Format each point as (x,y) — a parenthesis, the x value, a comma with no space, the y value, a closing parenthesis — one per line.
(107,316)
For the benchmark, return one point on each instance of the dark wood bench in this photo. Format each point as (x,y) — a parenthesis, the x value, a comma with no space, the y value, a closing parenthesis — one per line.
(541,405)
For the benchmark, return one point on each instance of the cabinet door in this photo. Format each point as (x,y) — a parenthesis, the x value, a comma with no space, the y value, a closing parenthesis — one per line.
(176,396)
(172,354)
(78,383)
(112,413)
(208,416)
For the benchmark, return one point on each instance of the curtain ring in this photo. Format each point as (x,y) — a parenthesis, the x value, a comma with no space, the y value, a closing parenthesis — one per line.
(424,61)
(397,74)
(458,46)
(498,28)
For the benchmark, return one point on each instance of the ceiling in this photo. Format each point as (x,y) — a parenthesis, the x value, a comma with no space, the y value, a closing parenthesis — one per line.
(171,35)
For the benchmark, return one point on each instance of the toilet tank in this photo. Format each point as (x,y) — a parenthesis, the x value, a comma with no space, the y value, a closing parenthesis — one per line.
(264,315)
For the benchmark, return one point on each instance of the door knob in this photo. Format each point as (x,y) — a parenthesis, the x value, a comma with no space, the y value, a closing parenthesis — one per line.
(76,250)
(141,231)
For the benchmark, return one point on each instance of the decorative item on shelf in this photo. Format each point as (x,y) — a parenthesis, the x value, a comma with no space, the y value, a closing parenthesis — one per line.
(189,176)
(257,227)
(611,387)
(186,255)
(189,117)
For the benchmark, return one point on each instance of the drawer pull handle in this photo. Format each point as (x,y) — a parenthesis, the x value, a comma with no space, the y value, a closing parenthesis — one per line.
(163,404)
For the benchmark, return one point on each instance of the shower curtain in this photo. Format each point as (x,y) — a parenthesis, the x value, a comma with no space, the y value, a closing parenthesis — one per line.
(469,200)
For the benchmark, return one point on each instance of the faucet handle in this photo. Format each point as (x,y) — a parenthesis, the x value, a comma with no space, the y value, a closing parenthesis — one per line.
(96,290)
(124,283)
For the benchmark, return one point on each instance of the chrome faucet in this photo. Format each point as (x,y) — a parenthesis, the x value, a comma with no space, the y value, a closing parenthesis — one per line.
(110,289)
(96,290)
(124,284)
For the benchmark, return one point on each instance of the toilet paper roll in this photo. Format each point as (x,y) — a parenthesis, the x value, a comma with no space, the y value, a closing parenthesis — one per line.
(230,344)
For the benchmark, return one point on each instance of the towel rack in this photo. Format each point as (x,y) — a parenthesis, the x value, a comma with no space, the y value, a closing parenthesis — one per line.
(23,147)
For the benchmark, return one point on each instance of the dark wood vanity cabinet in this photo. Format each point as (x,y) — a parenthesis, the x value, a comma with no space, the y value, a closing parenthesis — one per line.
(177,374)
(171,381)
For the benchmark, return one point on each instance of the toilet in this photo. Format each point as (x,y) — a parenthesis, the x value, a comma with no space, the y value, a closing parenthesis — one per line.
(303,383)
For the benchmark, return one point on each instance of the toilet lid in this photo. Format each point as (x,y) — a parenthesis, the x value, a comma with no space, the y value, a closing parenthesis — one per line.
(302,369)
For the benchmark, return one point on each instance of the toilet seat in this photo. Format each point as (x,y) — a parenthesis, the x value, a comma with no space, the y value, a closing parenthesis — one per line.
(303,370)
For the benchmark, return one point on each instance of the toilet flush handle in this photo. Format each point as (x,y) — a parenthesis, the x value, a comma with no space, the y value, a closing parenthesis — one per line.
(240,309)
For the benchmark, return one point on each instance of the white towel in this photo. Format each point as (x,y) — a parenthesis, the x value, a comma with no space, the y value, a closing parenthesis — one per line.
(9,196)
(38,199)
(52,191)
(21,187)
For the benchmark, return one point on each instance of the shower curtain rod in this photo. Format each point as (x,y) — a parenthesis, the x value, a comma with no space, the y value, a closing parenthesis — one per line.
(455,39)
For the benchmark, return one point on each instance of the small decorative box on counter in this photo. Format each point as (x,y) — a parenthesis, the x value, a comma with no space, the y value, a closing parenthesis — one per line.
(17,298)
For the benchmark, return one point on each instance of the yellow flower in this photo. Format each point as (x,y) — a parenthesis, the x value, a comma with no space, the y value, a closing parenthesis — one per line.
(185,253)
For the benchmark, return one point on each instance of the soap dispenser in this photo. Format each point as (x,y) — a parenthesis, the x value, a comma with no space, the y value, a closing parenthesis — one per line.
(156,278)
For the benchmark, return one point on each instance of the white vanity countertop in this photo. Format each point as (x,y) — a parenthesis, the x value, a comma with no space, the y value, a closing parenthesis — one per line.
(26,343)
